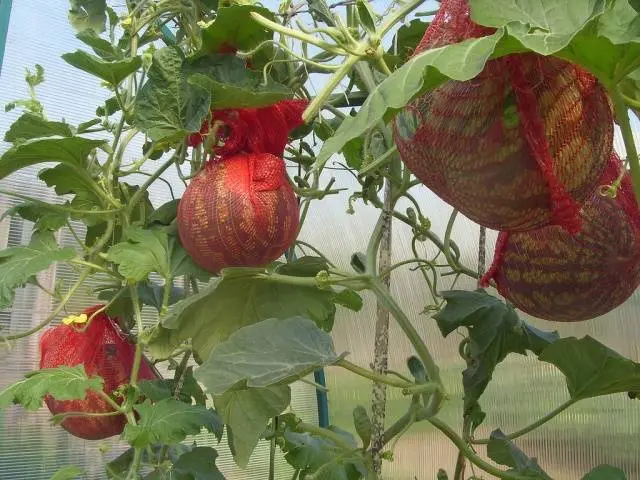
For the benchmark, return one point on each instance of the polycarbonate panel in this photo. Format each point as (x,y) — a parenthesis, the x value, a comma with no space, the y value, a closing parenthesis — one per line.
(30,447)
(590,433)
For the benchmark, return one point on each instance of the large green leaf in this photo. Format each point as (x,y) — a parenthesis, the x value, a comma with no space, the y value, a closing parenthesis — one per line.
(209,317)
(247,413)
(88,15)
(30,125)
(591,368)
(103,48)
(495,330)
(461,61)
(111,72)
(150,250)
(198,464)
(68,473)
(405,42)
(317,455)
(44,216)
(62,383)
(267,353)
(232,85)
(169,421)
(503,451)
(225,28)
(544,26)
(68,180)
(18,264)
(605,472)
(168,108)
(71,151)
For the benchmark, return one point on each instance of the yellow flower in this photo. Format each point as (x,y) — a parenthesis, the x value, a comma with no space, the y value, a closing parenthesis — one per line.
(82,318)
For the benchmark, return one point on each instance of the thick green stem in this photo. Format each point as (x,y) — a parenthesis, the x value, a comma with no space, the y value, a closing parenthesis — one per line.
(145,186)
(400,14)
(433,372)
(371,375)
(468,452)
(622,115)
(137,360)
(317,103)
(323,432)
(534,425)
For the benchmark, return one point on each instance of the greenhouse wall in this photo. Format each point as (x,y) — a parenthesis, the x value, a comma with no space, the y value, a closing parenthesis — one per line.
(600,430)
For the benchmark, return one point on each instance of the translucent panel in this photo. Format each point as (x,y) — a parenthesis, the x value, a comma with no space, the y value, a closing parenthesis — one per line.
(30,447)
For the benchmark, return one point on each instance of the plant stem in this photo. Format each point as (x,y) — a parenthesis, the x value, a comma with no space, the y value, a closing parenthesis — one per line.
(622,114)
(326,433)
(433,372)
(378,162)
(471,455)
(400,14)
(316,104)
(137,360)
(145,186)
(535,424)
(289,32)
(372,375)
(56,311)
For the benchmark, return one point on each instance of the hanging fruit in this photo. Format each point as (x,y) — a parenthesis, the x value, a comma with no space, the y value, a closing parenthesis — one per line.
(238,211)
(520,146)
(104,351)
(553,275)
(241,210)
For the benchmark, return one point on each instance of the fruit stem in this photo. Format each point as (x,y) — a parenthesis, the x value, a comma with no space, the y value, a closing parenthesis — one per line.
(622,114)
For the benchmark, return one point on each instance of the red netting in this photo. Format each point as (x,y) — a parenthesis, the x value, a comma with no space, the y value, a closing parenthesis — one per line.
(516,148)
(254,130)
(238,211)
(556,276)
(104,351)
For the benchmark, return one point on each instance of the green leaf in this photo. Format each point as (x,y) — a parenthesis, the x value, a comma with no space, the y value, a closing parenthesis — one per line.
(267,353)
(18,264)
(62,383)
(320,456)
(111,72)
(591,368)
(168,108)
(159,389)
(68,473)
(320,12)
(405,42)
(103,48)
(199,464)
(71,151)
(366,16)
(495,330)
(82,184)
(247,413)
(362,423)
(209,317)
(150,250)
(43,215)
(164,214)
(503,451)
(232,85)
(88,15)
(544,26)
(143,252)
(224,29)
(605,472)
(169,421)
(461,61)
(110,107)
(30,125)
(635,4)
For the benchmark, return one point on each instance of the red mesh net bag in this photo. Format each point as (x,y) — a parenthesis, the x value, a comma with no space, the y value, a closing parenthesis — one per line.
(238,211)
(553,275)
(520,146)
(103,350)
(259,130)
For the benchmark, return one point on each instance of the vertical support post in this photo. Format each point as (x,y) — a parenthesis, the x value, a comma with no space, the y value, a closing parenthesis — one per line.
(5,13)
